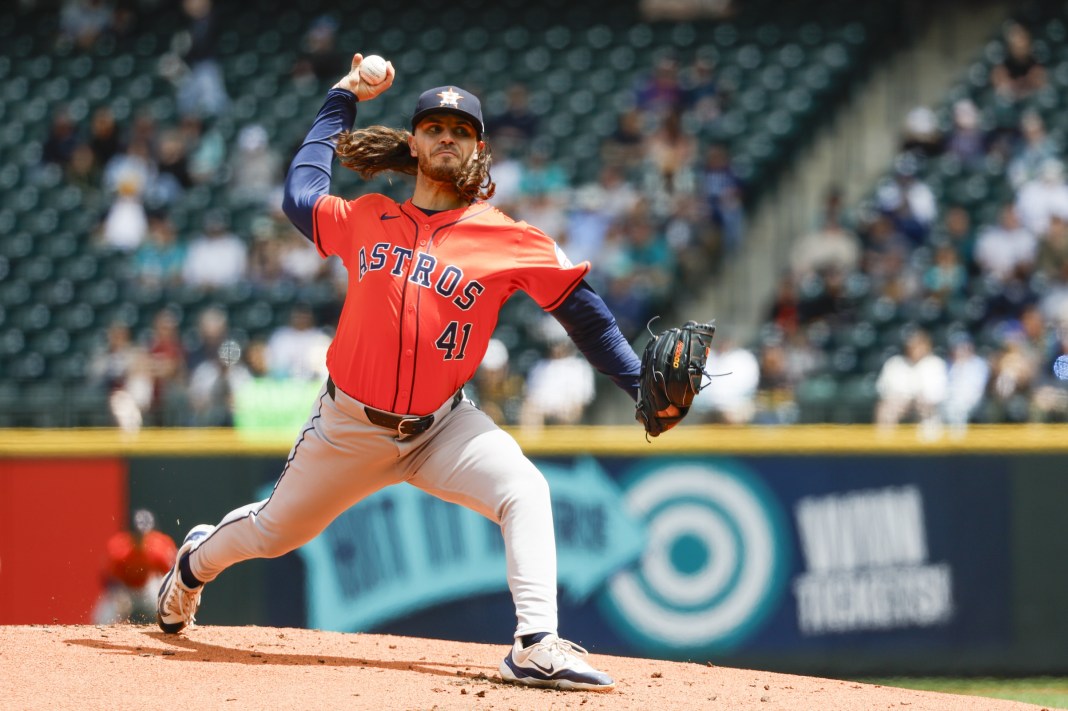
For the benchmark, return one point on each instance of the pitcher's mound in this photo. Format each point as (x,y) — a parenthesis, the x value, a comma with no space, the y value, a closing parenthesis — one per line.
(136,667)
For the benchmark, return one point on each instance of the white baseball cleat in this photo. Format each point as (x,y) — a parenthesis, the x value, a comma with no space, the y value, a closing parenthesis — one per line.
(554,663)
(176,604)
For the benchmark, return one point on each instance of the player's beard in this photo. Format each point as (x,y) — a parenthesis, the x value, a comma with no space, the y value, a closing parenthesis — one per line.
(446,172)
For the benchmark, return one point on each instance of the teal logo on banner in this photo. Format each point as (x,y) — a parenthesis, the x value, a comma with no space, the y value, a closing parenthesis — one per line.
(715,564)
(402,550)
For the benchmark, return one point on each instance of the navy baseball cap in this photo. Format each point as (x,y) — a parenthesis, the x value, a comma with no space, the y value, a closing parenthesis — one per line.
(452,100)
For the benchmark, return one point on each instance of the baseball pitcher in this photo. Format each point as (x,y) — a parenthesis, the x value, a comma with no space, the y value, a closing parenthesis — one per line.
(426,280)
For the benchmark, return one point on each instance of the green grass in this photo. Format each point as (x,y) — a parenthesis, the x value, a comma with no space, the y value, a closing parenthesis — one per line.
(1048,691)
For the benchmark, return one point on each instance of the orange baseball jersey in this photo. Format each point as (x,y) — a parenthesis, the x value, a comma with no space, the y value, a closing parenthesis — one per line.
(134,563)
(443,277)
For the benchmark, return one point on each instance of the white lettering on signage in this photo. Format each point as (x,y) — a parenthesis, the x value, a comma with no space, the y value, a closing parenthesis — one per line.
(867,566)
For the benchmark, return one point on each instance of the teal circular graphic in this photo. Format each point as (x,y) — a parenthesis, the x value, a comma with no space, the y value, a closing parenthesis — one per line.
(715,562)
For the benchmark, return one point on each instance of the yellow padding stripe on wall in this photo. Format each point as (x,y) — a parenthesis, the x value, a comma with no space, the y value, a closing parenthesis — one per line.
(604,441)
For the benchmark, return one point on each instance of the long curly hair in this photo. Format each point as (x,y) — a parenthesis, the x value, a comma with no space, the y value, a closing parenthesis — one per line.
(380,149)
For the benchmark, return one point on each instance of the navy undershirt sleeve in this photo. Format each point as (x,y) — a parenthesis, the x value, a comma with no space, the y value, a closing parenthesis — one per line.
(594,330)
(309,172)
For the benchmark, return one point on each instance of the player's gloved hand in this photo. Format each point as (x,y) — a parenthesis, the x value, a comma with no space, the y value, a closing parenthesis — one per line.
(672,372)
(363,90)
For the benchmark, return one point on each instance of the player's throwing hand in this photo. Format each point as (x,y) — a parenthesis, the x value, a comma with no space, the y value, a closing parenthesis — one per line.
(362,89)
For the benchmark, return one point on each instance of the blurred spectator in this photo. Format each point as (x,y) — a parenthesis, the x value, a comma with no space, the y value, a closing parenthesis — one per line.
(173,178)
(541,174)
(516,125)
(908,200)
(61,140)
(921,135)
(1050,400)
(257,167)
(653,264)
(825,298)
(1014,368)
(886,249)
(496,388)
(945,277)
(830,245)
(217,257)
(967,139)
(956,231)
(544,209)
(693,241)
(670,152)
(966,381)
(135,164)
(596,206)
(623,148)
(205,146)
(83,22)
(1052,258)
(167,364)
(559,386)
(776,402)
(119,367)
(319,58)
(265,257)
(1019,74)
(192,66)
(1034,149)
(731,398)
(1039,199)
(507,174)
(723,191)
(784,313)
(285,255)
(1006,249)
(212,384)
(704,97)
(137,560)
(213,329)
(126,223)
(84,172)
(627,303)
(159,261)
(104,138)
(298,349)
(912,385)
(660,93)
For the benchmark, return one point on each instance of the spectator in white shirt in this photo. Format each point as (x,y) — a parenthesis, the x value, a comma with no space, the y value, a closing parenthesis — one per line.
(1043,197)
(298,349)
(912,384)
(217,258)
(966,382)
(731,399)
(1003,250)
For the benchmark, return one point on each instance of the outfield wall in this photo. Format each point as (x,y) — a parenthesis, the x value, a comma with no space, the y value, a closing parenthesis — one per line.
(833,550)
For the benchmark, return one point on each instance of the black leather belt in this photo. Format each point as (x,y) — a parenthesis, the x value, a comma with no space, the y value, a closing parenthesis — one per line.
(404,425)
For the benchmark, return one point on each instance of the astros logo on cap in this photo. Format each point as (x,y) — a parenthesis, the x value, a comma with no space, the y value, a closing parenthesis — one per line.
(450,98)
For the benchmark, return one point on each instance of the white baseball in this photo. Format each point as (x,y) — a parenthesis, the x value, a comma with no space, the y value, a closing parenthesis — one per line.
(373,69)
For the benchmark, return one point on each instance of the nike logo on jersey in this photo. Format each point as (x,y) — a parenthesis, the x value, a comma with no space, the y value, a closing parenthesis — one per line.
(386,216)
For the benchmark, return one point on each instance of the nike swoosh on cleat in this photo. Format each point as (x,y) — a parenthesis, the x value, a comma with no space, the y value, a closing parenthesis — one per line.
(387,216)
(549,671)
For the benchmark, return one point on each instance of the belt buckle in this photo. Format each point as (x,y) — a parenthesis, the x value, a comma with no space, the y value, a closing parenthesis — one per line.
(412,426)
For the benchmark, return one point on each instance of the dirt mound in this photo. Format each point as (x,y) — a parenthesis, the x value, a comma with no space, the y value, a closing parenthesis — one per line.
(135,667)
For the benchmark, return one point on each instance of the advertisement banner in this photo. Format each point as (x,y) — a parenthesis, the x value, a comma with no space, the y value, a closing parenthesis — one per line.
(699,558)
